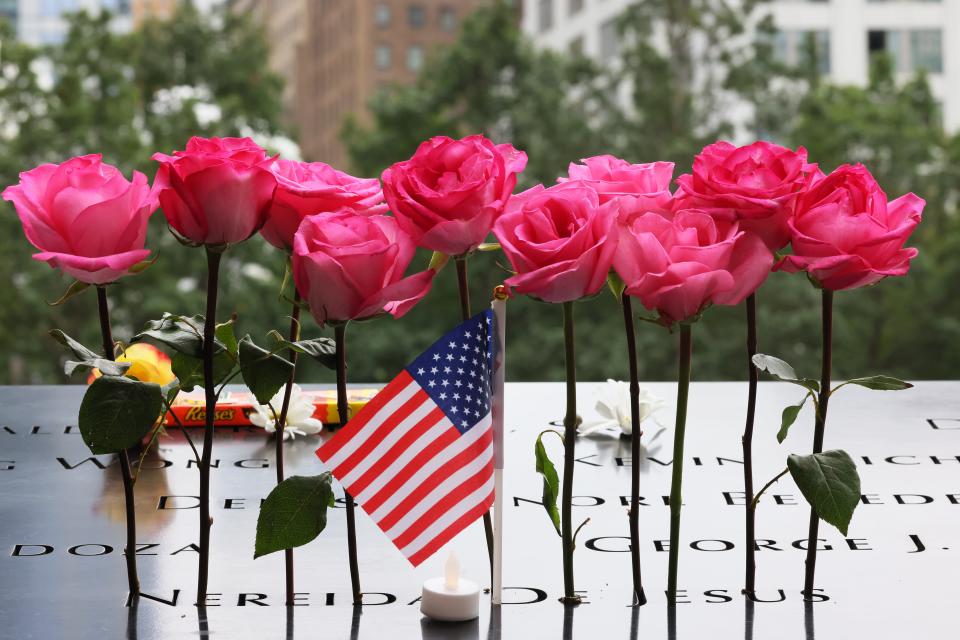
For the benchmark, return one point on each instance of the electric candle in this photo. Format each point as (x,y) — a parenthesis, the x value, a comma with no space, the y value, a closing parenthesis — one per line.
(450,598)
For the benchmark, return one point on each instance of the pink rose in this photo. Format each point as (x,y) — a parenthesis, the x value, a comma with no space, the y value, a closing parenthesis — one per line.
(85,217)
(350,266)
(846,234)
(680,266)
(308,188)
(218,191)
(612,177)
(559,241)
(755,184)
(448,195)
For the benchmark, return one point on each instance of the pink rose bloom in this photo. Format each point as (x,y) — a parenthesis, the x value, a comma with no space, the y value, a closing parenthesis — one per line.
(612,177)
(755,184)
(216,192)
(350,266)
(559,240)
(846,234)
(85,218)
(308,188)
(448,195)
(680,266)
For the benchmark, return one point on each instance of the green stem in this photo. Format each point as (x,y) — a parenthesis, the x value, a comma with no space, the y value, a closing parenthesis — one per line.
(750,566)
(133,580)
(752,504)
(294,335)
(343,410)
(209,334)
(676,496)
(465,313)
(569,440)
(826,364)
(640,597)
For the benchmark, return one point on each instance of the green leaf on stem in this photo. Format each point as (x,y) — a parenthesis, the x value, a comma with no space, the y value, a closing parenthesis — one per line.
(323,350)
(87,358)
(293,514)
(287,274)
(880,383)
(488,246)
(78,350)
(788,417)
(551,482)
(438,261)
(189,370)
(616,284)
(830,483)
(117,412)
(71,291)
(226,337)
(263,372)
(104,366)
(183,334)
(143,265)
(782,370)
(171,390)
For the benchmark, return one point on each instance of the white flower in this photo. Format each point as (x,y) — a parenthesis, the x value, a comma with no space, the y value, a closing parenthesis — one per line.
(613,405)
(300,420)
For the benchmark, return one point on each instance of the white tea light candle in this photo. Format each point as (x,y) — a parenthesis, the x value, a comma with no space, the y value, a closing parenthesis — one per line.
(450,598)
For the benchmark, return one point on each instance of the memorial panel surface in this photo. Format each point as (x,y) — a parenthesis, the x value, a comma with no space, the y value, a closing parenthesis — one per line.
(892,576)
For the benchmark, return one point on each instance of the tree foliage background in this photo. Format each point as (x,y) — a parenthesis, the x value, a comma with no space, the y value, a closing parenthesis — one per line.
(130,95)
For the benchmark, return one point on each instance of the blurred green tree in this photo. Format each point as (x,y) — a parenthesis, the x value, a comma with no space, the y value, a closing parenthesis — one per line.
(127,96)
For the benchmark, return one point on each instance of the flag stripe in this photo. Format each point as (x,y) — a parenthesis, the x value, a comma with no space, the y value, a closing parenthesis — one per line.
(414,411)
(391,473)
(440,499)
(414,476)
(482,495)
(407,447)
(347,431)
(445,536)
(445,465)
(408,400)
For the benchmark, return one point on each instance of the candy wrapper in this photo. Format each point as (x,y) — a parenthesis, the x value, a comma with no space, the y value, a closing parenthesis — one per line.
(234,407)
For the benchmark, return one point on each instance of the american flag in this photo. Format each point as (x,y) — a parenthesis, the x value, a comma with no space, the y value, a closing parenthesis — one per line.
(418,458)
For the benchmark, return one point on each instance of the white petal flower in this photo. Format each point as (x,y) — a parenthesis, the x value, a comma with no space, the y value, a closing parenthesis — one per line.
(613,405)
(300,420)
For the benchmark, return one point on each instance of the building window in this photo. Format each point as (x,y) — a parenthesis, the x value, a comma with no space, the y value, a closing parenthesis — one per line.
(416,16)
(909,50)
(926,50)
(448,18)
(382,56)
(415,58)
(575,7)
(382,15)
(795,47)
(609,40)
(545,14)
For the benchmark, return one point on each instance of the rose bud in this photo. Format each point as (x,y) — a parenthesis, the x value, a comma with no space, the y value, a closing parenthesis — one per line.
(846,235)
(558,240)
(217,191)
(448,195)
(85,218)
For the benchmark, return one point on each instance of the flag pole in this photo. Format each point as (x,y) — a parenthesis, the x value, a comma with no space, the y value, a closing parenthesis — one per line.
(499,305)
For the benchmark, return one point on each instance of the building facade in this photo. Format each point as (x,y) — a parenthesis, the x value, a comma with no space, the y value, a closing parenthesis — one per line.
(335,55)
(917,34)
(285,27)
